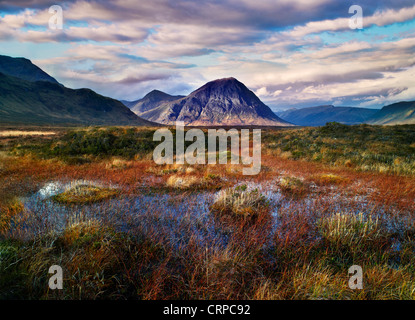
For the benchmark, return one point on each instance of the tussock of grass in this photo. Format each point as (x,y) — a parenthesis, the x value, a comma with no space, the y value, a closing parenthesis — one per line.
(240,202)
(328,179)
(117,164)
(186,182)
(183,182)
(350,229)
(84,193)
(293,186)
(79,231)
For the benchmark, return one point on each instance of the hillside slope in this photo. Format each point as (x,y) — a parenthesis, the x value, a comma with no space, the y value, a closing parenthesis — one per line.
(396,113)
(44,102)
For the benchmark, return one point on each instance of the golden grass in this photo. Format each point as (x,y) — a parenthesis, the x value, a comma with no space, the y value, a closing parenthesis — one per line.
(117,164)
(240,202)
(17,133)
(82,194)
(183,182)
(293,186)
(328,179)
(349,229)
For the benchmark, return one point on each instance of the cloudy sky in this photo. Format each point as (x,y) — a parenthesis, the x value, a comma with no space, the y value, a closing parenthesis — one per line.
(291,53)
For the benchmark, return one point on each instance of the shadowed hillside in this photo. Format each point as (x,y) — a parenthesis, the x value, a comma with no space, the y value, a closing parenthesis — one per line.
(44,102)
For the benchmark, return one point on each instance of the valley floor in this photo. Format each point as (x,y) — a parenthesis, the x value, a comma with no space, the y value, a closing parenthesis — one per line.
(92,201)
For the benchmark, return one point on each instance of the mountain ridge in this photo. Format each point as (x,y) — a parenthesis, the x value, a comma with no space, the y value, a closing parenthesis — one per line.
(44,102)
(149,101)
(320,115)
(24,69)
(402,112)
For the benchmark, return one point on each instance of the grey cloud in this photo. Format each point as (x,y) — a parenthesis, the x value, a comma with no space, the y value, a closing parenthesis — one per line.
(266,15)
(143,78)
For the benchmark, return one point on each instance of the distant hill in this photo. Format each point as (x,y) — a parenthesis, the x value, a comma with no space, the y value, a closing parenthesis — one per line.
(28,95)
(24,69)
(320,115)
(44,102)
(150,101)
(396,113)
(219,102)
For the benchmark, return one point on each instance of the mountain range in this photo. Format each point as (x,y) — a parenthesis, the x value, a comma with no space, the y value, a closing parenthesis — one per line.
(397,113)
(28,95)
(320,115)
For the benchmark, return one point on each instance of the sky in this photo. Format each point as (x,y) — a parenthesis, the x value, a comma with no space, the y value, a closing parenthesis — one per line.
(291,53)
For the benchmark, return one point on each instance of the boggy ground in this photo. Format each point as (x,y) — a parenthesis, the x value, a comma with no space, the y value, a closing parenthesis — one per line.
(92,201)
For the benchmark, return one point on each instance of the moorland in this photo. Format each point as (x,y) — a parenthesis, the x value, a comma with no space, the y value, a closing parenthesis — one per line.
(92,200)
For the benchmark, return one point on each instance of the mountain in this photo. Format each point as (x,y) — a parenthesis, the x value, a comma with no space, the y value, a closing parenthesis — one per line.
(24,69)
(219,102)
(320,115)
(396,113)
(150,101)
(30,95)
(45,102)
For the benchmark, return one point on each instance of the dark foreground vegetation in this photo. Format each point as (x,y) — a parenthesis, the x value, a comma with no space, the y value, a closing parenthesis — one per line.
(122,227)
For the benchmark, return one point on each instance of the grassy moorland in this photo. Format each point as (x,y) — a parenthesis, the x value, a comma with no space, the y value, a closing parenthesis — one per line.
(92,201)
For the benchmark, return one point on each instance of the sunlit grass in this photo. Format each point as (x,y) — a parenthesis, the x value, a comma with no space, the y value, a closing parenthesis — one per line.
(240,201)
(84,193)
(349,229)
(293,186)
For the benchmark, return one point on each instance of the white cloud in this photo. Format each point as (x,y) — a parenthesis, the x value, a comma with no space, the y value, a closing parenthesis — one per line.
(379,18)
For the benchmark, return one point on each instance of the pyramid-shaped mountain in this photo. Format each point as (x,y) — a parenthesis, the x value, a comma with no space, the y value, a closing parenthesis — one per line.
(222,102)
